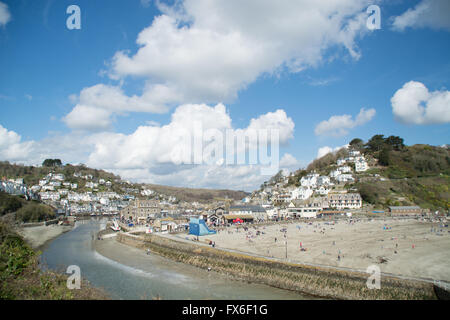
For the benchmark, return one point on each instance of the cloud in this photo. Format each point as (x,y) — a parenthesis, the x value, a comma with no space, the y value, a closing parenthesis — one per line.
(150,145)
(289,162)
(145,3)
(326,150)
(277,120)
(340,125)
(206,52)
(102,102)
(11,147)
(85,117)
(5,15)
(414,104)
(152,152)
(29,97)
(428,13)
(202,51)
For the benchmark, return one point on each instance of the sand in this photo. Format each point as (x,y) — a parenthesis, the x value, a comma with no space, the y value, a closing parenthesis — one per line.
(38,236)
(359,245)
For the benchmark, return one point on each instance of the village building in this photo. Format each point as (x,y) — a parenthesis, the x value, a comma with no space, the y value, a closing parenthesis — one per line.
(323,180)
(309,180)
(141,209)
(257,212)
(361,165)
(301,193)
(345,201)
(405,210)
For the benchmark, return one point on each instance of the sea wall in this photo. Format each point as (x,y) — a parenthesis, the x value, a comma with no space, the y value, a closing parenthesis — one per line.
(315,281)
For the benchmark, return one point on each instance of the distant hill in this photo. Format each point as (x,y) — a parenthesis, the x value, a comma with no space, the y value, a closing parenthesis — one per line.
(32,175)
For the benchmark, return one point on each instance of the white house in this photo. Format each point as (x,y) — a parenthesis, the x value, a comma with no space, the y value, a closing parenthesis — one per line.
(340,162)
(309,180)
(303,212)
(323,190)
(361,165)
(323,180)
(58,176)
(354,153)
(301,193)
(345,169)
(335,173)
(346,177)
(54,196)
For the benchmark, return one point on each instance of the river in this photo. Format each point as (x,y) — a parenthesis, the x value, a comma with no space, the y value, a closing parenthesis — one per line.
(145,276)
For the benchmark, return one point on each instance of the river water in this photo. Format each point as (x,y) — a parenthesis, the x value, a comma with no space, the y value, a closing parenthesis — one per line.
(142,276)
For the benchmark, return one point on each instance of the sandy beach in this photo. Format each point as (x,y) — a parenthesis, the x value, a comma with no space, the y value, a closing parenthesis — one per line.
(401,247)
(38,236)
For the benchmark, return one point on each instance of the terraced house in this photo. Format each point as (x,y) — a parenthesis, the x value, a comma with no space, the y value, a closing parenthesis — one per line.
(345,201)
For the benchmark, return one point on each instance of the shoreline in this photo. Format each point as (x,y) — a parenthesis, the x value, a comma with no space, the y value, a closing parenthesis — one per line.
(305,280)
(138,260)
(38,237)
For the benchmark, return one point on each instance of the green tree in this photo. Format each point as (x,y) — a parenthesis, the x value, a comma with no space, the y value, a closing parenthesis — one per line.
(52,163)
(356,143)
(395,142)
(384,157)
(376,143)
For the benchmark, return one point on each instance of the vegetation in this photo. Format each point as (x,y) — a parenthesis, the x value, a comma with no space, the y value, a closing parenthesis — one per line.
(32,175)
(35,212)
(20,277)
(412,175)
(25,211)
(52,163)
(418,175)
(9,203)
(322,164)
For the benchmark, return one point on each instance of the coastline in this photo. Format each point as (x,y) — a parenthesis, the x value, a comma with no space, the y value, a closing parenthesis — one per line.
(137,261)
(306,280)
(40,236)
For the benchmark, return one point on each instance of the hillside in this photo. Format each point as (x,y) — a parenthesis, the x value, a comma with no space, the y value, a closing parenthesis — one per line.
(397,174)
(32,175)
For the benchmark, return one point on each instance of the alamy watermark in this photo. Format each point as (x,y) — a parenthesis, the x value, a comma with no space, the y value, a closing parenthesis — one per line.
(74,20)
(374,280)
(74,280)
(374,20)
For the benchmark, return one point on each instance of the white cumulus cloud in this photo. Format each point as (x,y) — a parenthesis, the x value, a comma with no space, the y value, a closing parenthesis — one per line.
(11,147)
(203,51)
(340,125)
(427,13)
(415,104)
(326,150)
(5,15)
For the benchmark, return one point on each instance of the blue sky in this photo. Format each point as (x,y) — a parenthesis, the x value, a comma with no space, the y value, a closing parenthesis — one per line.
(44,68)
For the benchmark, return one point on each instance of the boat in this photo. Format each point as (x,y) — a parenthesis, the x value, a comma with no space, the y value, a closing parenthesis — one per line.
(115,226)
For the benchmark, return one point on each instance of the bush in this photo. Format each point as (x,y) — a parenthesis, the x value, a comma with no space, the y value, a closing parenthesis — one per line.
(35,213)
(9,203)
